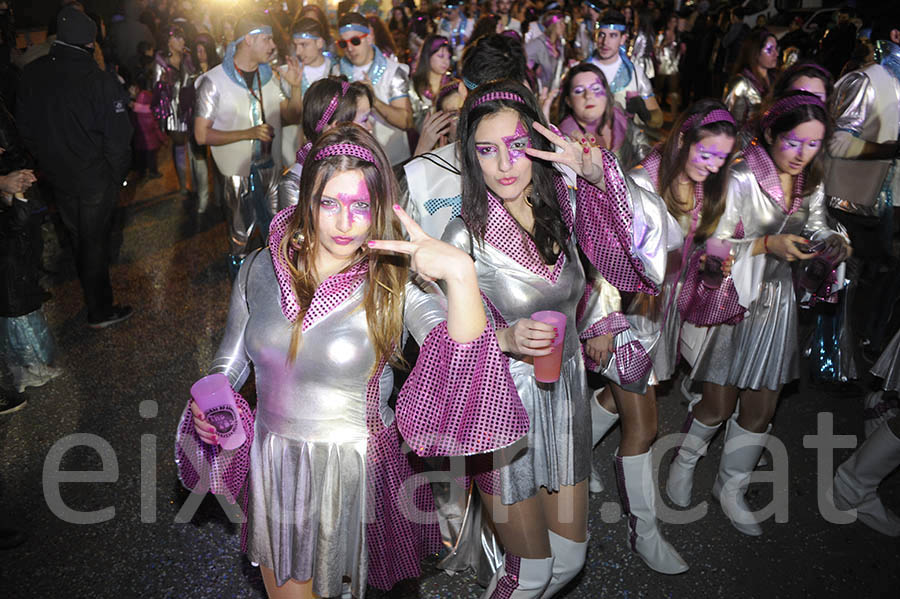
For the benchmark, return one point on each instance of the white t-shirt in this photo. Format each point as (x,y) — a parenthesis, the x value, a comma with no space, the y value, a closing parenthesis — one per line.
(313,74)
(360,73)
(609,70)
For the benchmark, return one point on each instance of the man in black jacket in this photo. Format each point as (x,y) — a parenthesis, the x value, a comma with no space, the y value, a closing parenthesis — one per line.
(73,118)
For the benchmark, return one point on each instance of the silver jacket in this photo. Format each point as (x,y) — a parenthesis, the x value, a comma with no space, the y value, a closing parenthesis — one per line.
(742,99)
(168,86)
(668,56)
(641,53)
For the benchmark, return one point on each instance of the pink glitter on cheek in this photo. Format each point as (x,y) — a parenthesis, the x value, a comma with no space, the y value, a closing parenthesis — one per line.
(516,143)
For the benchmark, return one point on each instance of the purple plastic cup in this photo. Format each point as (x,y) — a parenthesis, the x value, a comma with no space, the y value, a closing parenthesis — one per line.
(546,368)
(213,395)
(717,251)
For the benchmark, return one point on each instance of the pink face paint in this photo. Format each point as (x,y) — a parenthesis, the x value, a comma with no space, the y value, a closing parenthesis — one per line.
(516,143)
(792,143)
(357,204)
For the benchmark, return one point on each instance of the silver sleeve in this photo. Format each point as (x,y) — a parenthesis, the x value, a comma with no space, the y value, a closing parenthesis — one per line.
(399,85)
(851,102)
(231,357)
(207,99)
(424,308)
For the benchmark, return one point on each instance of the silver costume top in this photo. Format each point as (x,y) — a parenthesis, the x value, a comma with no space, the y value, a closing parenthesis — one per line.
(641,53)
(866,108)
(539,54)
(742,99)
(668,56)
(325,387)
(762,350)
(168,86)
(421,106)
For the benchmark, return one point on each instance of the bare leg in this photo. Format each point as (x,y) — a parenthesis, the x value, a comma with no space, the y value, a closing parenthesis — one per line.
(639,419)
(292,589)
(566,511)
(757,409)
(717,404)
(607,400)
(522,528)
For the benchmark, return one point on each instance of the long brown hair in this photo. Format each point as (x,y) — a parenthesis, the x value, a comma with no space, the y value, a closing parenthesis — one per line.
(675,152)
(385,285)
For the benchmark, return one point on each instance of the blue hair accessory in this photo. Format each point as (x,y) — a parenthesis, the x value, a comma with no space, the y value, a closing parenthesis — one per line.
(469,85)
(613,26)
(354,27)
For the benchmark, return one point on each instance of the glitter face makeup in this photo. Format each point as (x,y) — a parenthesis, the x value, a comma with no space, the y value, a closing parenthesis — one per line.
(516,144)
(595,88)
(356,204)
(795,149)
(344,217)
(707,156)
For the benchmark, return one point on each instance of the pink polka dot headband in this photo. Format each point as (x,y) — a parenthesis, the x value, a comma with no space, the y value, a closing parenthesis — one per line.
(498,96)
(332,106)
(347,149)
(717,115)
(787,104)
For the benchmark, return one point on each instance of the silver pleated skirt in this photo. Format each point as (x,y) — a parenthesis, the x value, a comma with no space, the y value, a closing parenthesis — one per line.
(759,352)
(888,365)
(665,355)
(557,449)
(307,509)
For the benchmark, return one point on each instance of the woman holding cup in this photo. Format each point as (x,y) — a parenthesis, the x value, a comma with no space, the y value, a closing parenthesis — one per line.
(688,171)
(320,315)
(774,214)
(524,228)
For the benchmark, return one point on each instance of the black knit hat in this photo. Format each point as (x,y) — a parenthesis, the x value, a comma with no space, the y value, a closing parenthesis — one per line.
(74,27)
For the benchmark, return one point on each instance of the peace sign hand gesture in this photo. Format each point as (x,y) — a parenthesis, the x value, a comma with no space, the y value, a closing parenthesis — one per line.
(431,258)
(582,158)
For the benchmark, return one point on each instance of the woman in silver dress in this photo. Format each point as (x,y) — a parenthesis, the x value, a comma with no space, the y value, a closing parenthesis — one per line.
(689,172)
(173,76)
(775,212)
(524,228)
(430,75)
(752,77)
(319,315)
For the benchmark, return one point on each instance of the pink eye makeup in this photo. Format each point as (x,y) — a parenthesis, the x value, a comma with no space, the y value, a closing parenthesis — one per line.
(770,48)
(789,142)
(357,204)
(595,88)
(517,143)
(708,154)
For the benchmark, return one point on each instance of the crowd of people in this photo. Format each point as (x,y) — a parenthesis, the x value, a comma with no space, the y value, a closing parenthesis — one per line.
(407,190)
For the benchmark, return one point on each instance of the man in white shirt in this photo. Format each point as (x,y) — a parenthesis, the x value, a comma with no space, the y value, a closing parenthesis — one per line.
(509,23)
(388,79)
(238,111)
(631,88)
(456,26)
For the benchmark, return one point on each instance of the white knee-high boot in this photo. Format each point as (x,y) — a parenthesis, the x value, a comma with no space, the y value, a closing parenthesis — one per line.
(692,448)
(856,481)
(602,420)
(568,560)
(520,578)
(737,463)
(638,492)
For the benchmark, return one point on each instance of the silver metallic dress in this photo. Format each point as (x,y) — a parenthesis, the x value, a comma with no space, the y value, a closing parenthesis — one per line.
(556,451)
(888,365)
(761,351)
(168,85)
(743,99)
(307,476)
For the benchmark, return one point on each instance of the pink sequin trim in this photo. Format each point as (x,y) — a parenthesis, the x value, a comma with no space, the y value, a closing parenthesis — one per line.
(603,226)
(504,233)
(763,169)
(227,469)
(347,150)
(331,293)
(703,306)
(498,96)
(632,362)
(460,399)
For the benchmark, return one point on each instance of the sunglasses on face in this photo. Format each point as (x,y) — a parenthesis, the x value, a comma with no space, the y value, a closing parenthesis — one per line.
(355,40)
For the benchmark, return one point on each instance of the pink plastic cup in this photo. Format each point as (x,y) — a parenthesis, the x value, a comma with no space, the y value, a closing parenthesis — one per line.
(546,368)
(717,252)
(214,396)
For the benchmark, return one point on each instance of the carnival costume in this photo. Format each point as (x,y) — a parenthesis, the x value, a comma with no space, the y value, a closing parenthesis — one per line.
(744,95)
(628,79)
(326,471)
(757,346)
(515,282)
(630,143)
(390,81)
(249,172)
